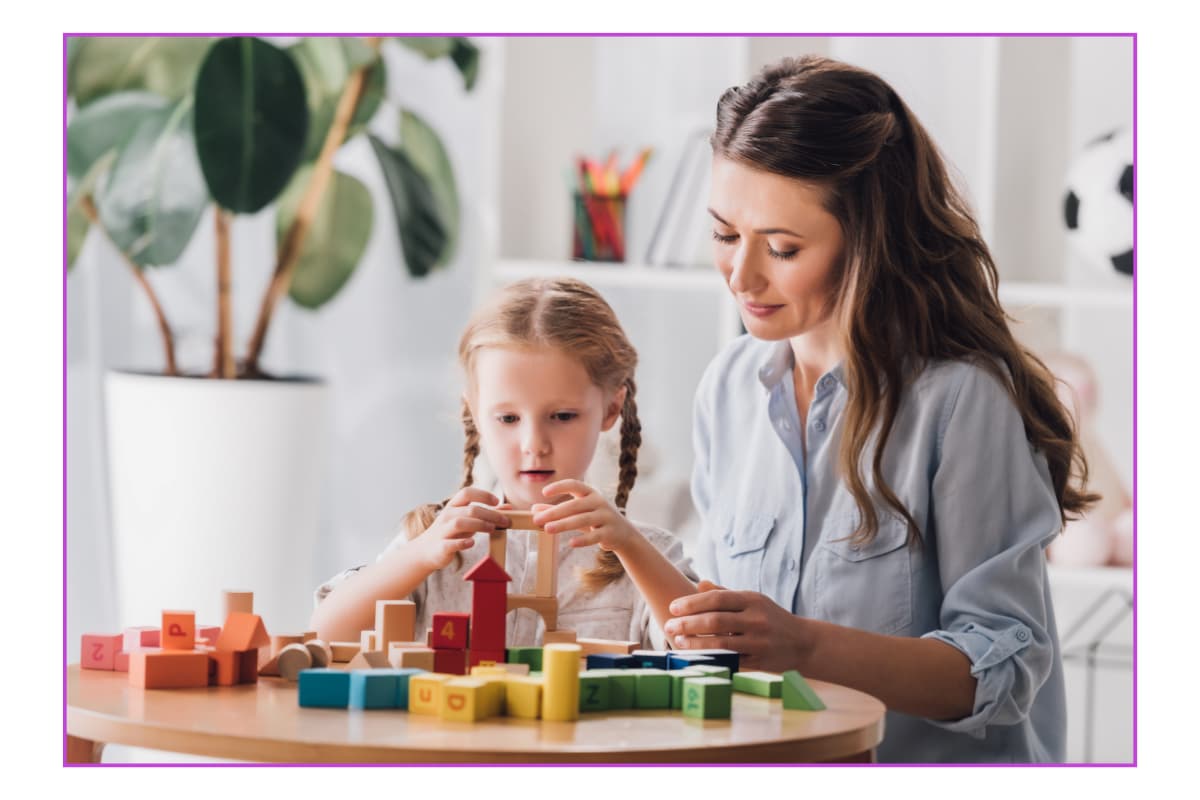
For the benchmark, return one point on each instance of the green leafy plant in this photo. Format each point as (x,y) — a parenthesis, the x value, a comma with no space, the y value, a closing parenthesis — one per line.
(166,126)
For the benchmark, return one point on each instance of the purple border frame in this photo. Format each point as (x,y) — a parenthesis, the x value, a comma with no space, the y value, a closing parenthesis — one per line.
(617,34)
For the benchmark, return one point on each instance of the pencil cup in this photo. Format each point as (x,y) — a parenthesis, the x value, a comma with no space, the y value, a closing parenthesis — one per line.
(599,227)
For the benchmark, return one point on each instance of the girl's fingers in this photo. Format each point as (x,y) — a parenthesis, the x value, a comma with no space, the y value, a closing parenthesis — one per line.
(567,486)
(469,526)
(472,494)
(576,522)
(584,539)
(561,511)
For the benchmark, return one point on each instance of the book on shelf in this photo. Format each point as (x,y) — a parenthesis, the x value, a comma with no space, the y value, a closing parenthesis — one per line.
(678,231)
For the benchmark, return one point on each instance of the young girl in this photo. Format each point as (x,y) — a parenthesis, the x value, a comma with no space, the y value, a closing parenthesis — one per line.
(548,369)
(879,463)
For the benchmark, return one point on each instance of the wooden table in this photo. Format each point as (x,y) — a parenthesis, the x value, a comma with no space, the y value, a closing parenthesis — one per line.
(264,722)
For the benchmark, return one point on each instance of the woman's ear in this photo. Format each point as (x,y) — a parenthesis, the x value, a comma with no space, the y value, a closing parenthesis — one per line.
(613,411)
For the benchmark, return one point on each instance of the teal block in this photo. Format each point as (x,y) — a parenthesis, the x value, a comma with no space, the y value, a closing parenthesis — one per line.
(593,691)
(324,688)
(707,698)
(677,676)
(798,695)
(402,676)
(713,670)
(652,688)
(763,684)
(526,655)
(373,688)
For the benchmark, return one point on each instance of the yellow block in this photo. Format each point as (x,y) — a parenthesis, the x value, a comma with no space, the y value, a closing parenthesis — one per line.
(560,673)
(523,696)
(425,693)
(464,700)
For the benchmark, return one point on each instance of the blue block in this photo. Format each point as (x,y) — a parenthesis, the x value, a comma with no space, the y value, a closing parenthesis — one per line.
(650,659)
(324,688)
(611,661)
(373,688)
(685,659)
(722,658)
(402,676)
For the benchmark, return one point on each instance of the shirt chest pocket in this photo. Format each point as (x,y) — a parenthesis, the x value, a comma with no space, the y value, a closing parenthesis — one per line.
(866,586)
(742,545)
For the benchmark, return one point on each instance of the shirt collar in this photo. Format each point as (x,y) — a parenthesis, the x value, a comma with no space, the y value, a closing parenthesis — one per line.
(779,362)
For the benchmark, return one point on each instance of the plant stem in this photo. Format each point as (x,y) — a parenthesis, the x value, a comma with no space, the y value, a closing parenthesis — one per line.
(289,251)
(89,210)
(224,366)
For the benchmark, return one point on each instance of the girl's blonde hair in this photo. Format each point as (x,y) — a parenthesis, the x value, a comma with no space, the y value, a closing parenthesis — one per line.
(572,317)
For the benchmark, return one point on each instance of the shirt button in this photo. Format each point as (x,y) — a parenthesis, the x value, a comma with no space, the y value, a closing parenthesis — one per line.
(819,425)
(827,382)
(1022,635)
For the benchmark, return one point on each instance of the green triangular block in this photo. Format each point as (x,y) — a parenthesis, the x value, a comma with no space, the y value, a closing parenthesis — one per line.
(798,695)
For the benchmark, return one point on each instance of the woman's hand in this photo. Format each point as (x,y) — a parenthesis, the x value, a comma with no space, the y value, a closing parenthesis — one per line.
(768,637)
(589,512)
(454,529)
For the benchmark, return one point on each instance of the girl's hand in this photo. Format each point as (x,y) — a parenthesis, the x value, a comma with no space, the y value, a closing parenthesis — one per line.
(768,637)
(455,527)
(589,512)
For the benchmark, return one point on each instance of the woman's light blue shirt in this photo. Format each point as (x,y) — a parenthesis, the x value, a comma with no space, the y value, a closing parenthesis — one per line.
(777,520)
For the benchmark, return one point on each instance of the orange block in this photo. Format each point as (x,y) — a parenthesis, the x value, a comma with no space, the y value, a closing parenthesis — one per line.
(208,634)
(242,632)
(223,667)
(247,661)
(168,669)
(178,630)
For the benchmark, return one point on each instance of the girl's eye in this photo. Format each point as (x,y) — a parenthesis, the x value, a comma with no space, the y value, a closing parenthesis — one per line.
(782,255)
(507,419)
(725,239)
(564,416)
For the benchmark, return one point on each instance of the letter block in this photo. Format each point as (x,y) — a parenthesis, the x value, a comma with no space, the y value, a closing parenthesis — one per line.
(450,662)
(179,630)
(99,650)
(450,630)
(677,676)
(593,692)
(425,693)
(707,698)
(463,700)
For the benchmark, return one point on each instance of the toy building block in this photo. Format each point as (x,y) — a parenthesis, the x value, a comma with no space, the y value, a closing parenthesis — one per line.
(243,631)
(403,676)
(429,638)
(622,687)
(476,658)
(463,700)
(283,640)
(411,657)
(489,592)
(560,697)
(425,693)
(558,637)
(223,667)
(121,661)
(593,692)
(395,621)
(523,696)
(722,658)
(515,669)
(652,688)
(292,660)
(99,650)
(450,662)
(247,661)
(547,607)
(520,520)
(684,660)
(677,676)
(373,688)
(651,659)
(763,684)
(344,652)
(449,630)
(140,637)
(798,695)
(369,659)
(707,698)
(546,584)
(270,668)
(711,670)
(168,669)
(308,635)
(366,641)
(494,691)
(498,547)
(611,661)
(179,630)
(611,646)
(322,655)
(208,634)
(526,655)
(232,601)
(323,687)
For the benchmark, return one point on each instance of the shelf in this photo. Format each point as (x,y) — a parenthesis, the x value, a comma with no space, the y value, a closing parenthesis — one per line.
(642,276)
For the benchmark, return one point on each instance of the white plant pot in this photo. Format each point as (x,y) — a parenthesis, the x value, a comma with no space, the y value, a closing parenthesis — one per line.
(215,485)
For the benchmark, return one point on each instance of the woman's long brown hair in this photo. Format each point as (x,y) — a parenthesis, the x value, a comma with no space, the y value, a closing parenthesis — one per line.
(917,282)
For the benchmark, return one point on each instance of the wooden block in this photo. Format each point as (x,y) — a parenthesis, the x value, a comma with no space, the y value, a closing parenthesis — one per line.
(613,646)
(685,660)
(525,655)
(208,634)
(283,640)
(559,637)
(411,657)
(464,700)
(223,667)
(498,547)
(677,676)
(243,631)
(232,601)
(425,693)
(322,655)
(370,659)
(343,652)
(763,684)
(722,658)
(546,606)
(523,696)
(121,661)
(798,695)
(560,667)
(292,659)
(593,692)
(323,687)
(248,665)
(395,621)
(711,670)
(403,676)
(622,688)
(373,688)
(652,688)
(494,694)
(610,661)
(547,565)
(515,669)
(270,668)
(450,662)
(168,669)
(179,630)
(308,635)
(651,659)
(707,698)
(99,650)
(139,637)
(366,641)
(449,630)
(520,520)
(477,657)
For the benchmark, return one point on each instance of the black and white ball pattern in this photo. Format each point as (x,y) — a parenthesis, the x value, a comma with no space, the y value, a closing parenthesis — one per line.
(1099,203)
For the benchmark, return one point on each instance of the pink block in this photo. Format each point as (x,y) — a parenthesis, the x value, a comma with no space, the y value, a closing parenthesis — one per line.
(99,650)
(145,636)
(208,632)
(121,662)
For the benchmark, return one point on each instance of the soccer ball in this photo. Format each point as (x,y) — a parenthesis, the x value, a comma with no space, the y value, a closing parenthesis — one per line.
(1099,203)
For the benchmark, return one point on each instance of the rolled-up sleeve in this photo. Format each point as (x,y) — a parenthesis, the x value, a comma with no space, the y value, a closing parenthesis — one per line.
(993,511)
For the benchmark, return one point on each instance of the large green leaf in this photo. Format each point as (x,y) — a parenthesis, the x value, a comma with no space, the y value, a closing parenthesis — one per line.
(166,65)
(424,149)
(154,196)
(325,65)
(422,232)
(466,58)
(105,125)
(336,240)
(78,223)
(251,122)
(460,50)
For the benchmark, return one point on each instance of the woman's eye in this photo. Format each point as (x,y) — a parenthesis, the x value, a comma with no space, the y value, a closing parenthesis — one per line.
(564,416)
(781,254)
(725,239)
(507,419)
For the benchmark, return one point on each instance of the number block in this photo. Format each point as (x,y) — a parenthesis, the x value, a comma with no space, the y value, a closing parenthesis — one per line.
(425,693)
(374,688)
(798,695)
(523,696)
(593,692)
(526,655)
(179,630)
(464,700)
(763,684)
(707,698)
(652,688)
(99,650)
(323,687)
(450,630)
(677,676)
(450,662)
